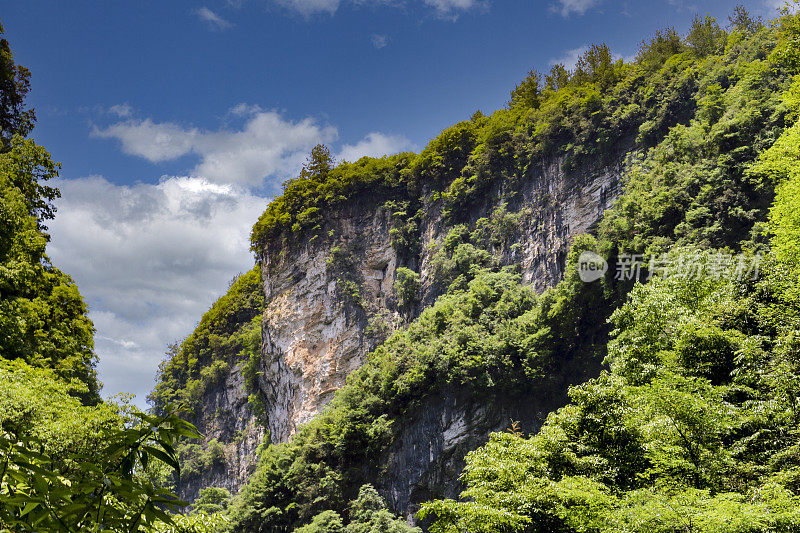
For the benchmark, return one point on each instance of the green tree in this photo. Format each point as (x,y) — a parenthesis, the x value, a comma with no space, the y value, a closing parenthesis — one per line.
(325,522)
(558,78)
(212,500)
(319,163)
(368,514)
(407,286)
(596,65)
(741,20)
(68,467)
(43,318)
(663,45)
(528,92)
(705,36)
(15,118)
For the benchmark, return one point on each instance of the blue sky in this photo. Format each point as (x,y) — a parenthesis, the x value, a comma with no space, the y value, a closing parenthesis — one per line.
(175,121)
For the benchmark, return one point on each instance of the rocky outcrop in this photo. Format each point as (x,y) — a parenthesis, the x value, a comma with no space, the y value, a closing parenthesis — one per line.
(330,300)
(226,417)
(327,303)
(427,458)
(317,331)
(426,461)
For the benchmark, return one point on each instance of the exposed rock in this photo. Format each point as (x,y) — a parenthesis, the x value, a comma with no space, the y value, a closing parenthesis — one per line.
(314,337)
(330,300)
(226,416)
(426,460)
(314,329)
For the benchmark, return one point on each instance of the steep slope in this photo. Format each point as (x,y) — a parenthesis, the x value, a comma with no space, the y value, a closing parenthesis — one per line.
(212,373)
(332,300)
(695,421)
(480,222)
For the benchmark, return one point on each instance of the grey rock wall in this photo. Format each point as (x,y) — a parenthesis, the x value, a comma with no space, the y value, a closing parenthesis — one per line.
(330,300)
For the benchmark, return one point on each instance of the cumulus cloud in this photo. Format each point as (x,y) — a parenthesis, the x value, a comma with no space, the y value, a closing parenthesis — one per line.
(266,146)
(150,259)
(213,20)
(156,142)
(578,7)
(379,41)
(375,144)
(570,57)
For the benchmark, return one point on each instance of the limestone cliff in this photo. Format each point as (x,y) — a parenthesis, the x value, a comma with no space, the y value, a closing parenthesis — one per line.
(330,299)
(227,418)
(321,298)
(316,332)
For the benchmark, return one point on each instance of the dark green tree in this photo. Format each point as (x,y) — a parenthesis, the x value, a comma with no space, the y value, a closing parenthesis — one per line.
(595,66)
(15,118)
(319,163)
(741,20)
(558,77)
(705,36)
(528,92)
(43,318)
(663,45)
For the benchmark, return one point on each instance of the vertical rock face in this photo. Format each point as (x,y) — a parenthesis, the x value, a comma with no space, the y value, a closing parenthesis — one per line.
(329,300)
(316,331)
(227,417)
(563,206)
(426,462)
(323,299)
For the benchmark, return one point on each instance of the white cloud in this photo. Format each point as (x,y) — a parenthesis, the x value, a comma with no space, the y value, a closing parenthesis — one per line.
(267,146)
(450,8)
(578,7)
(379,41)
(214,21)
(570,57)
(150,259)
(244,109)
(311,7)
(375,144)
(152,141)
(121,110)
(447,9)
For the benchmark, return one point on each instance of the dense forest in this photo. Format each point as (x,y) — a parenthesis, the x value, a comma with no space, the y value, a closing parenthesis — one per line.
(690,422)
(68,460)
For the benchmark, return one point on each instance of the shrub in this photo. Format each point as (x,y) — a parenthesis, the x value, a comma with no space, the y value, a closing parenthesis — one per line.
(406,287)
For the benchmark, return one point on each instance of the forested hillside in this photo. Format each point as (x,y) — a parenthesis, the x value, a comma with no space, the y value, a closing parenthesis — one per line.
(657,391)
(691,424)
